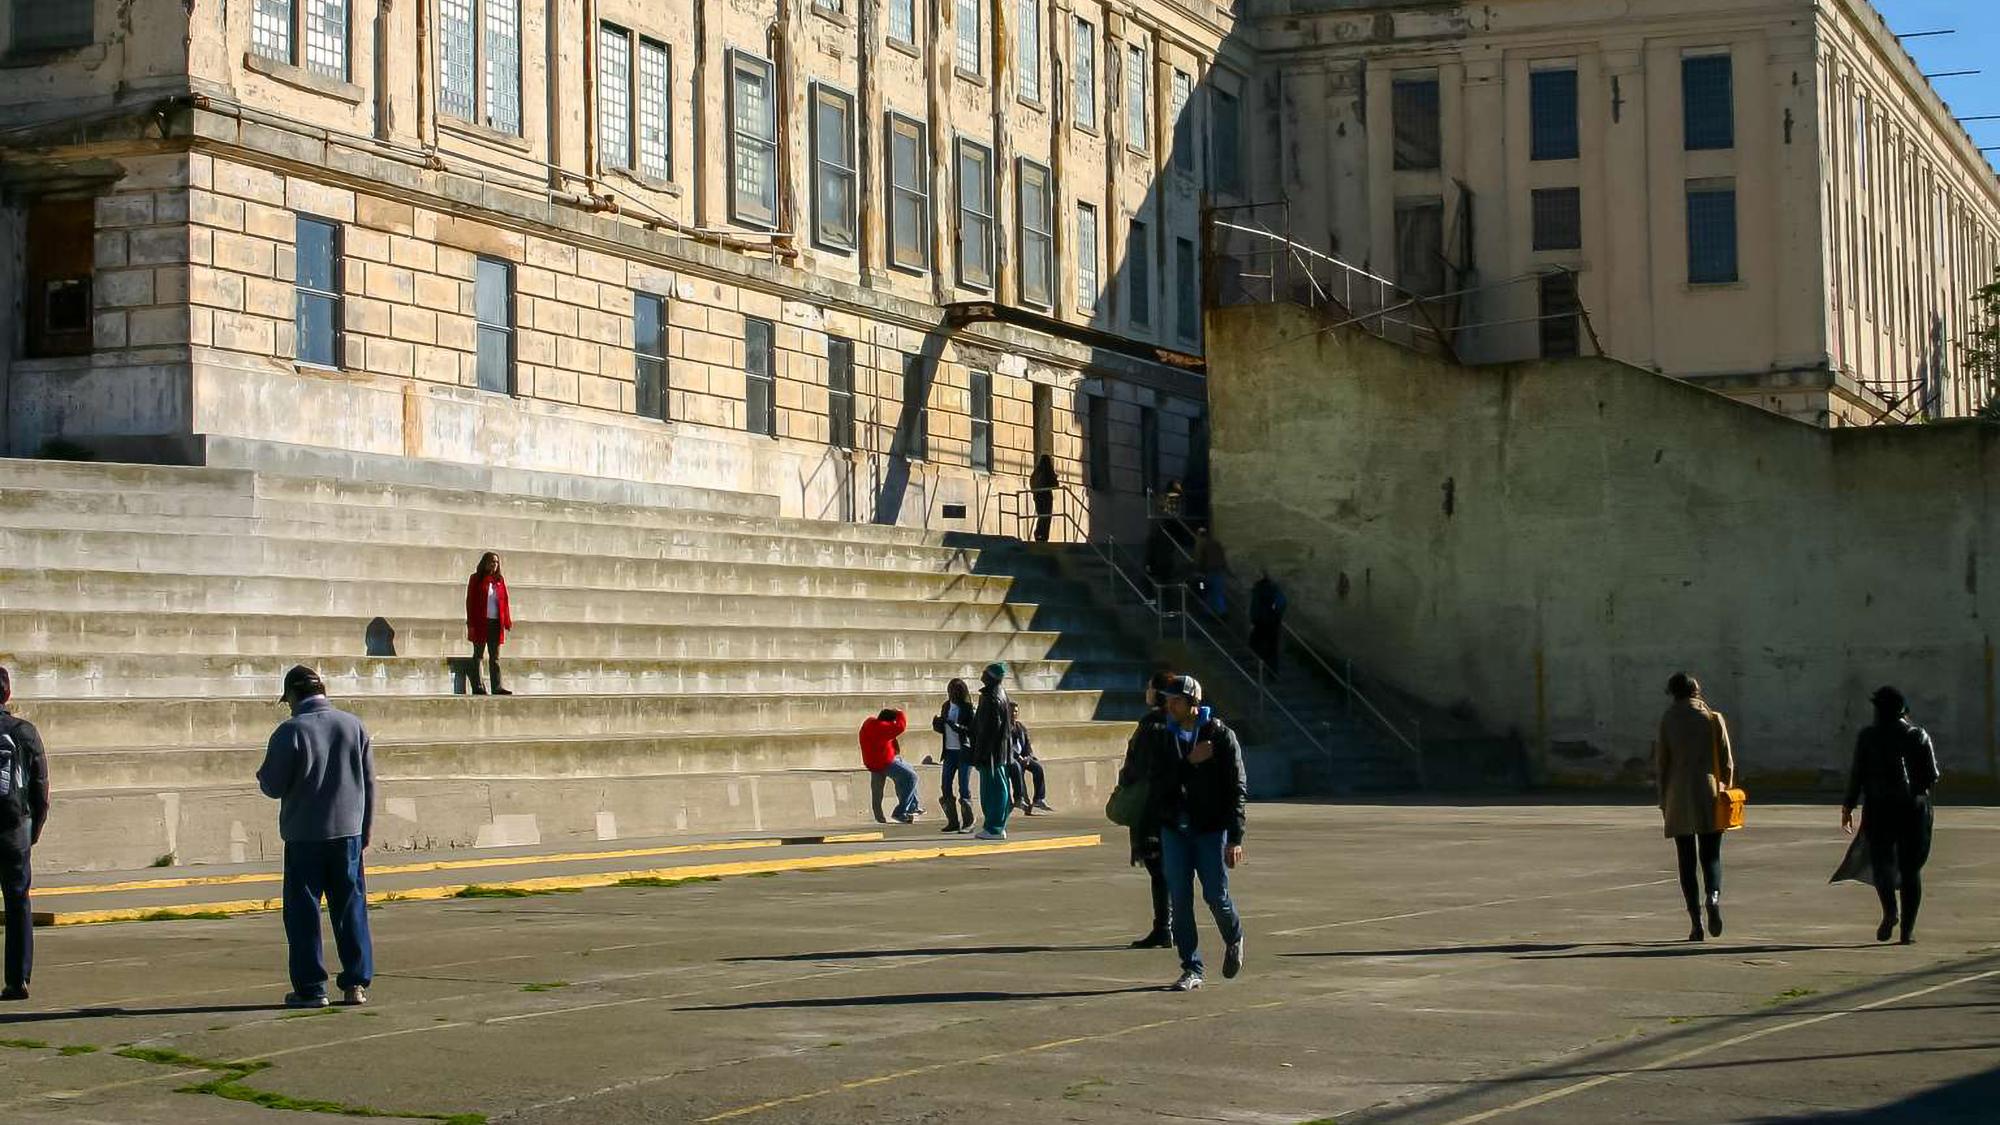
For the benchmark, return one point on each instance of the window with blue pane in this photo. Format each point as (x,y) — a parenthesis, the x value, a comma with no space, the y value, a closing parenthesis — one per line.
(1711,222)
(1552,114)
(1708,103)
(316,281)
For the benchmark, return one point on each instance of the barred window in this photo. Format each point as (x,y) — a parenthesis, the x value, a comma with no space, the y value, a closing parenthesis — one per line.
(966,19)
(457,60)
(274,34)
(1711,231)
(1556,293)
(1085,77)
(975,215)
(50,25)
(753,141)
(1180,96)
(493,301)
(1552,115)
(1086,258)
(981,457)
(903,21)
(1708,102)
(909,195)
(316,283)
(1225,142)
(760,406)
(1028,48)
(614,96)
(503,65)
(1038,235)
(1558,218)
(479,62)
(1138,276)
(840,392)
(833,168)
(656,110)
(270,29)
(1135,96)
(649,355)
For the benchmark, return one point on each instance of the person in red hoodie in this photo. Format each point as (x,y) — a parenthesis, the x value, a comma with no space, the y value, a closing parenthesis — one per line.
(487,619)
(883,757)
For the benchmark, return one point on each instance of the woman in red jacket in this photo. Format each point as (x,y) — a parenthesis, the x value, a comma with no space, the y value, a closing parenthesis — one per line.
(882,756)
(487,619)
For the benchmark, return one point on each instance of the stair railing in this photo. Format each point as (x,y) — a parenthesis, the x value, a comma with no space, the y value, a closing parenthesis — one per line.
(1156,604)
(1412,741)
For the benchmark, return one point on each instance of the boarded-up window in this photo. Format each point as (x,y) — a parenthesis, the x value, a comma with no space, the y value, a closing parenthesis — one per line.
(58,273)
(1558,218)
(1559,309)
(1420,246)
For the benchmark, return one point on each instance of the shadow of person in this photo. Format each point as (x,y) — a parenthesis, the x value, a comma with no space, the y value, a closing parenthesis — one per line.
(902,998)
(380,638)
(110,1010)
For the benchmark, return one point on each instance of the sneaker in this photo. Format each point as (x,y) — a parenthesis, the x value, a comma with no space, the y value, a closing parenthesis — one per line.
(15,992)
(1714,917)
(354,997)
(1043,806)
(501,691)
(305,999)
(1190,980)
(988,834)
(1232,961)
(1158,939)
(904,818)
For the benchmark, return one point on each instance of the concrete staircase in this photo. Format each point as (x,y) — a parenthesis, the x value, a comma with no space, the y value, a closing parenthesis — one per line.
(688,663)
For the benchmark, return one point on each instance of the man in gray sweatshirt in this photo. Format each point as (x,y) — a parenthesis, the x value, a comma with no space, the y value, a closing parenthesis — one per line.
(321,769)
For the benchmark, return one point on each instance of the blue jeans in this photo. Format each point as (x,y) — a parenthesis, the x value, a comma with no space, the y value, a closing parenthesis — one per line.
(958,762)
(905,779)
(1182,854)
(15,879)
(330,868)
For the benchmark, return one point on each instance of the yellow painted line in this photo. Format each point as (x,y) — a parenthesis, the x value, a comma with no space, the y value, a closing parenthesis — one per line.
(589,880)
(457,864)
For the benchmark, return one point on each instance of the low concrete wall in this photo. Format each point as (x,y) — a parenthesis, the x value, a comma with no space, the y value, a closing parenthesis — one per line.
(1543,544)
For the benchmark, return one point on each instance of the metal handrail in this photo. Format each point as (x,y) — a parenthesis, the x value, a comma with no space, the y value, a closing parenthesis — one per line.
(1107,553)
(1412,742)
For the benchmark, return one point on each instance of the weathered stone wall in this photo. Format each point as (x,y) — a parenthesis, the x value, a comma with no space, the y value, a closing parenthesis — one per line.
(1544,544)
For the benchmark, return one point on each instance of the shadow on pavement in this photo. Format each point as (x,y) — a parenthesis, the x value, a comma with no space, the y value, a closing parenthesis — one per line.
(1696,949)
(919,998)
(1970,1100)
(98,1013)
(941,951)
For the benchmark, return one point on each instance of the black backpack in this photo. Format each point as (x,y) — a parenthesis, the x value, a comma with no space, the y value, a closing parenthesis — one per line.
(13,777)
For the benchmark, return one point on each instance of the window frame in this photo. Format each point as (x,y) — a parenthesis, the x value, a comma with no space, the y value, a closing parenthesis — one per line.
(624,89)
(740,63)
(912,439)
(977,44)
(1714,187)
(480,63)
(1719,136)
(840,420)
(641,358)
(1083,77)
(21,44)
(1028,45)
(664,173)
(1138,128)
(1559,335)
(1187,290)
(1181,104)
(979,453)
(508,329)
(1547,141)
(767,378)
(1219,181)
(918,197)
(334,298)
(890,33)
(826,235)
(1138,273)
(1028,234)
(1088,259)
(989,243)
(1540,234)
(1399,85)
(298,31)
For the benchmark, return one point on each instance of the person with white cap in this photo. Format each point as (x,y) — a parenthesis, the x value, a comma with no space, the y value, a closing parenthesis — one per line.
(321,769)
(1198,794)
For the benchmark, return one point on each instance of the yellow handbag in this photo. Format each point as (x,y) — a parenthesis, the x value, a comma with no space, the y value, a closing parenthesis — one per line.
(1728,802)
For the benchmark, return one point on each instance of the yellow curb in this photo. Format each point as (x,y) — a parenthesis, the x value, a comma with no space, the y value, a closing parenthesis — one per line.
(461,864)
(591,880)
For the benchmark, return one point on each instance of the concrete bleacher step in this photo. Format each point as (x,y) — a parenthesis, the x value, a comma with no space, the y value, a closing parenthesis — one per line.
(65,632)
(87,675)
(126,722)
(163,769)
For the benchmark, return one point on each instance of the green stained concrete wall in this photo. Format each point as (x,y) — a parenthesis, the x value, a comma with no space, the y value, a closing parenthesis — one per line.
(1545,543)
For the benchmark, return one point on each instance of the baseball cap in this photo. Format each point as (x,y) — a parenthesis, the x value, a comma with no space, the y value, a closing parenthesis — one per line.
(1187,687)
(302,683)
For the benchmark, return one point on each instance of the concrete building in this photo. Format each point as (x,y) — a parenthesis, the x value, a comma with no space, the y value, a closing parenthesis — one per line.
(1762,196)
(868,256)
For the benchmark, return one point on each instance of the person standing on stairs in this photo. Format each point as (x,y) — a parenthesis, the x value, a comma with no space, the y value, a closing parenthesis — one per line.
(1148,740)
(320,768)
(24,811)
(1197,794)
(1043,482)
(954,723)
(1895,769)
(1022,764)
(487,619)
(992,748)
(1267,620)
(884,761)
(1693,764)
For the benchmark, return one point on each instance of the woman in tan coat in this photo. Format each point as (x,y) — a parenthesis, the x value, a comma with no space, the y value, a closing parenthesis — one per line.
(1692,764)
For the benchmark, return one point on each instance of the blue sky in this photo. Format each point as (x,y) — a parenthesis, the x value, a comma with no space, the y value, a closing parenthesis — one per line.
(1975,47)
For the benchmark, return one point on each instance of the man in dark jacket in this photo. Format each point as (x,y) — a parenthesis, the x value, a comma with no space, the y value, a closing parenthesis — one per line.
(1895,769)
(1043,482)
(992,741)
(24,811)
(1148,739)
(1198,794)
(321,769)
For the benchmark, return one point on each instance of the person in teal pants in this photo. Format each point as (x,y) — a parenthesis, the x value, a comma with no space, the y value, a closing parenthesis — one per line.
(992,728)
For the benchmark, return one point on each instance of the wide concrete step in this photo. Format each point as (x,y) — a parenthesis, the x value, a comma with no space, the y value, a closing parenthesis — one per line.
(531,759)
(952,602)
(57,633)
(167,553)
(83,511)
(73,724)
(147,675)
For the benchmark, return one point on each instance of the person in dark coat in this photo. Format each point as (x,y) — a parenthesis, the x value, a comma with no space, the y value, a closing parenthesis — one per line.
(1197,796)
(992,747)
(1022,765)
(1693,764)
(1043,482)
(954,722)
(1895,770)
(487,619)
(1148,739)
(24,812)
(1267,620)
